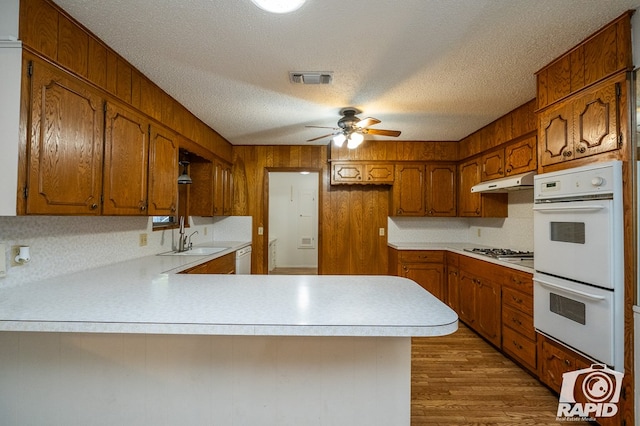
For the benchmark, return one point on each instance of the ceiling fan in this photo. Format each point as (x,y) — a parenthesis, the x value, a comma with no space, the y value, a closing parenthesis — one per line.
(352,130)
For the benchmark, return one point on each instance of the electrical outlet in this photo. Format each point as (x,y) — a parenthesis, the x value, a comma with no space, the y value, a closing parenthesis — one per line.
(381,232)
(205,230)
(15,250)
(143,240)
(479,232)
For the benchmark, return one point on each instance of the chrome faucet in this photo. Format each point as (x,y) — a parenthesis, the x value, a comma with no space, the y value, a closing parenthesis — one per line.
(190,245)
(182,241)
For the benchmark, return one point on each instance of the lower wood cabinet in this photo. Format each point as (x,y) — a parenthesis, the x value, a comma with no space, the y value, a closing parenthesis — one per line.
(221,265)
(426,267)
(452,282)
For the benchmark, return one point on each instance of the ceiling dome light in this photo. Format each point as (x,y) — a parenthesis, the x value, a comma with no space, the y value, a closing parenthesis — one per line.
(339,139)
(279,6)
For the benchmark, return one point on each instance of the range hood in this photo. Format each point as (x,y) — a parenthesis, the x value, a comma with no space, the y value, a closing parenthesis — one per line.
(510,183)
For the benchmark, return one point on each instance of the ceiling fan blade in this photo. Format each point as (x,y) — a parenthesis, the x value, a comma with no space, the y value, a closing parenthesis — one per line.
(382,132)
(366,122)
(323,127)
(320,137)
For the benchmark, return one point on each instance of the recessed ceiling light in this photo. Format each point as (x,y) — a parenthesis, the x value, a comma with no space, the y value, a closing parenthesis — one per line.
(279,6)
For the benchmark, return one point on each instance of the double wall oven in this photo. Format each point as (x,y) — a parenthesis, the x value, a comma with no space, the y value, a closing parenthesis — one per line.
(579,267)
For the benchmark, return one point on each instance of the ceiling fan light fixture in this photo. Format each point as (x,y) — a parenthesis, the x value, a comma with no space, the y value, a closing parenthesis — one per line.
(279,6)
(339,139)
(354,140)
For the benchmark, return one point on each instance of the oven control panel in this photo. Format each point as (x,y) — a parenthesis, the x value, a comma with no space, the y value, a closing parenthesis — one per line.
(600,179)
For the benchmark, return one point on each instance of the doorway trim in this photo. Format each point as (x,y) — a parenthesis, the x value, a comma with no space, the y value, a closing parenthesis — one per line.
(265,207)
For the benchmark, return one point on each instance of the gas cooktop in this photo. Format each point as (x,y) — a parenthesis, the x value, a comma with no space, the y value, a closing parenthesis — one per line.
(502,254)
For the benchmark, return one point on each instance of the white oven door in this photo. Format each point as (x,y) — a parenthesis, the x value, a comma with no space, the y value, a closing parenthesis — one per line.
(579,315)
(574,240)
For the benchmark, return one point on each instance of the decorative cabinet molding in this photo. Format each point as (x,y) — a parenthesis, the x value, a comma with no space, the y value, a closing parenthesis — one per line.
(441,194)
(363,173)
(521,156)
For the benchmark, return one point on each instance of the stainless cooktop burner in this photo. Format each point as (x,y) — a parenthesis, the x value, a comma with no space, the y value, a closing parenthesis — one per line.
(502,254)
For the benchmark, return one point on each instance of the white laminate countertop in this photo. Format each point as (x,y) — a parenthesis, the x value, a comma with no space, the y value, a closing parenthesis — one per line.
(146,295)
(524,265)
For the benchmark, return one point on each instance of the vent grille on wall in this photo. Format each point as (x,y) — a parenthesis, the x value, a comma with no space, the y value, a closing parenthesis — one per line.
(307,77)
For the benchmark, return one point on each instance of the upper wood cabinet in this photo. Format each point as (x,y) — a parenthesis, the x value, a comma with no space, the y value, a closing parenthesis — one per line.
(521,156)
(163,172)
(473,204)
(64,155)
(587,124)
(363,173)
(223,189)
(125,161)
(408,191)
(492,165)
(441,196)
(600,56)
(201,191)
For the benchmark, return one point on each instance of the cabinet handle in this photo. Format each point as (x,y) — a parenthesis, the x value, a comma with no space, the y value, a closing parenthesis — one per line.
(516,299)
(567,153)
(143,208)
(404,268)
(567,362)
(93,206)
(582,150)
(508,170)
(516,321)
(431,212)
(516,344)
(399,211)
(173,208)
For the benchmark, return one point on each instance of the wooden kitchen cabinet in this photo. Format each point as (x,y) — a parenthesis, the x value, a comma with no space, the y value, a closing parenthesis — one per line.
(126,156)
(554,360)
(64,164)
(586,124)
(519,339)
(440,197)
(521,156)
(452,281)
(477,204)
(223,188)
(426,267)
(479,299)
(408,191)
(362,173)
(163,172)
(201,191)
(221,265)
(492,165)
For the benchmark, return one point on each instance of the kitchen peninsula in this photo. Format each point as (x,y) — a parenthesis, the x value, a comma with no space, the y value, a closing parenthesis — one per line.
(138,343)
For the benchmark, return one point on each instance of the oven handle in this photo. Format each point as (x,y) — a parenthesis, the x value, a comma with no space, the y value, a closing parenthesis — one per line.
(568,290)
(590,208)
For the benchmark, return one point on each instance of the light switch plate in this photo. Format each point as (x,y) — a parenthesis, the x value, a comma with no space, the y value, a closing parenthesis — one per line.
(3,261)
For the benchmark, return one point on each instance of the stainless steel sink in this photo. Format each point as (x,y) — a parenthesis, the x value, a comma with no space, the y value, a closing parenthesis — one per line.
(198,251)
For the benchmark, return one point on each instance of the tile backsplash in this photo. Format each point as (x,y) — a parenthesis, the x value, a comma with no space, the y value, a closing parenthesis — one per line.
(514,232)
(65,244)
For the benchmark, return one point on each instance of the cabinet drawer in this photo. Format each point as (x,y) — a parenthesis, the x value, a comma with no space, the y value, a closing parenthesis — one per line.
(422,256)
(520,281)
(519,347)
(518,321)
(518,300)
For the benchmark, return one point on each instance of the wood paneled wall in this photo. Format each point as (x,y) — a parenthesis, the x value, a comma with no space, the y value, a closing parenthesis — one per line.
(350,218)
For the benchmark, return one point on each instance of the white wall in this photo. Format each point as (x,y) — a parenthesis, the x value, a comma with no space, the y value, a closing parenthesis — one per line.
(514,232)
(285,221)
(65,244)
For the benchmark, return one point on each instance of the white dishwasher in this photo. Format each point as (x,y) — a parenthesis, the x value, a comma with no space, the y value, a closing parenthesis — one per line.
(243,260)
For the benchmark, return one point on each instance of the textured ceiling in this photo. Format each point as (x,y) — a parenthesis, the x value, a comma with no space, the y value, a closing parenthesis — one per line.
(434,69)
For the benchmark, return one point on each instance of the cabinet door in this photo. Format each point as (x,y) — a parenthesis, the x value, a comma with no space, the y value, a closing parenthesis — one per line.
(379,173)
(467,298)
(492,165)
(441,190)
(227,190)
(596,127)
(555,361)
(469,174)
(556,134)
(65,149)
(429,275)
(453,284)
(201,191)
(488,315)
(521,156)
(163,172)
(347,172)
(408,190)
(125,162)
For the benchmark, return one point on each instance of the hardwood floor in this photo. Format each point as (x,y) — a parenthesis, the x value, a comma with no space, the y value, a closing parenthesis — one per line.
(462,380)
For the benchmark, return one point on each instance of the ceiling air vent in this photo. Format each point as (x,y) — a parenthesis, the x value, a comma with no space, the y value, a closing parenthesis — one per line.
(306,77)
